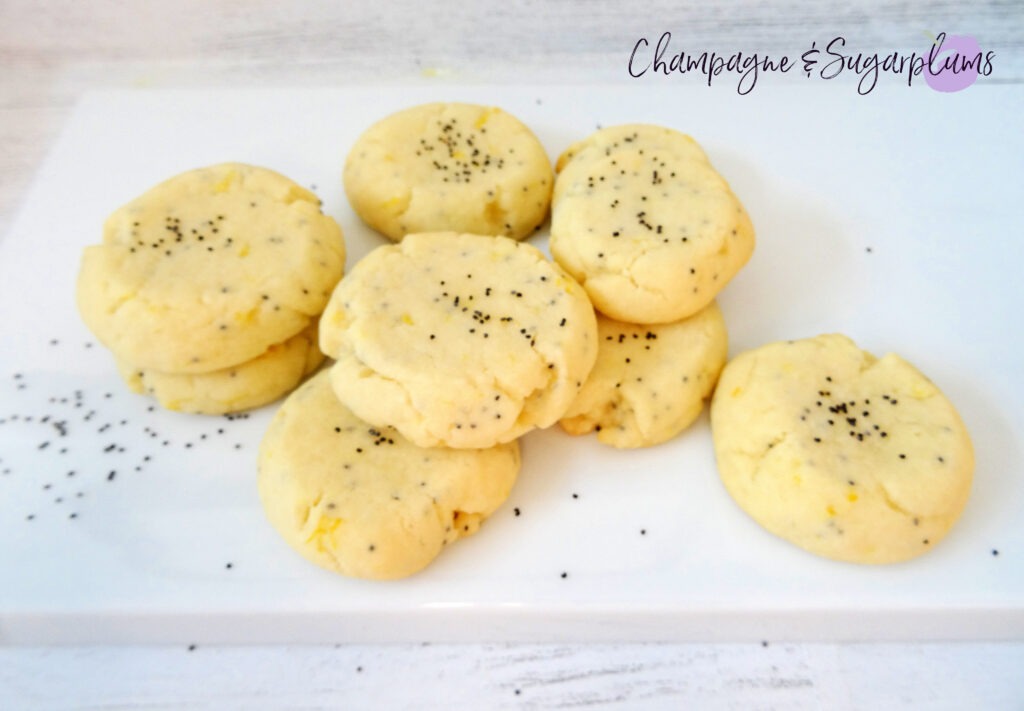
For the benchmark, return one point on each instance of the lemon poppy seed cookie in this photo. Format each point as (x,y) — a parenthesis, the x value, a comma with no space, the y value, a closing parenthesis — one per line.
(460,340)
(239,387)
(363,501)
(845,455)
(209,269)
(650,381)
(644,222)
(449,167)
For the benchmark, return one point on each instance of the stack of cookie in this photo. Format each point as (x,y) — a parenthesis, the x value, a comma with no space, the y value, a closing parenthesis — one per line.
(448,346)
(642,220)
(459,339)
(209,286)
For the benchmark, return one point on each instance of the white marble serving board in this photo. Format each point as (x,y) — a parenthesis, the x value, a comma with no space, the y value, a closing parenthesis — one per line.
(891,218)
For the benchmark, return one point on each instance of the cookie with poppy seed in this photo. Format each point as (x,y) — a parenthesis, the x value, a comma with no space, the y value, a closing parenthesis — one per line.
(209,269)
(848,456)
(650,381)
(362,500)
(459,340)
(644,222)
(247,385)
(449,166)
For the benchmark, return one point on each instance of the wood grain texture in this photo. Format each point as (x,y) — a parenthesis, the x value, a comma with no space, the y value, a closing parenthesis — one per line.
(53,52)
(499,37)
(416,677)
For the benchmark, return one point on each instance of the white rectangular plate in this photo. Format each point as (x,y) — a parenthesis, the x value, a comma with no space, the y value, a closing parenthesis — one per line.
(892,218)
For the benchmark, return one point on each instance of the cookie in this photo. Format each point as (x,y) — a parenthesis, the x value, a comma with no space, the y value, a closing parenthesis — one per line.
(459,340)
(847,456)
(650,382)
(365,502)
(209,269)
(645,224)
(240,387)
(449,167)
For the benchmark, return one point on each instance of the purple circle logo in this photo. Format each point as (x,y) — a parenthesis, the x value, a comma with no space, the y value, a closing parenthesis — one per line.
(953,63)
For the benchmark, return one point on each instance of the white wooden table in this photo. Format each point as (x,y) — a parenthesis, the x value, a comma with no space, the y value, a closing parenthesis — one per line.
(51,53)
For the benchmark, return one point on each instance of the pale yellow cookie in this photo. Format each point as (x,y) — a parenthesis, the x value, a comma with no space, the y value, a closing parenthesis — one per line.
(848,456)
(209,269)
(239,387)
(363,501)
(645,224)
(650,382)
(460,340)
(448,166)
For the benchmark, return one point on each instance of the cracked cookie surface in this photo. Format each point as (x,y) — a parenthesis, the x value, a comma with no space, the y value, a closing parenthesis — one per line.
(849,456)
(449,166)
(209,269)
(460,340)
(642,220)
(650,382)
(365,502)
